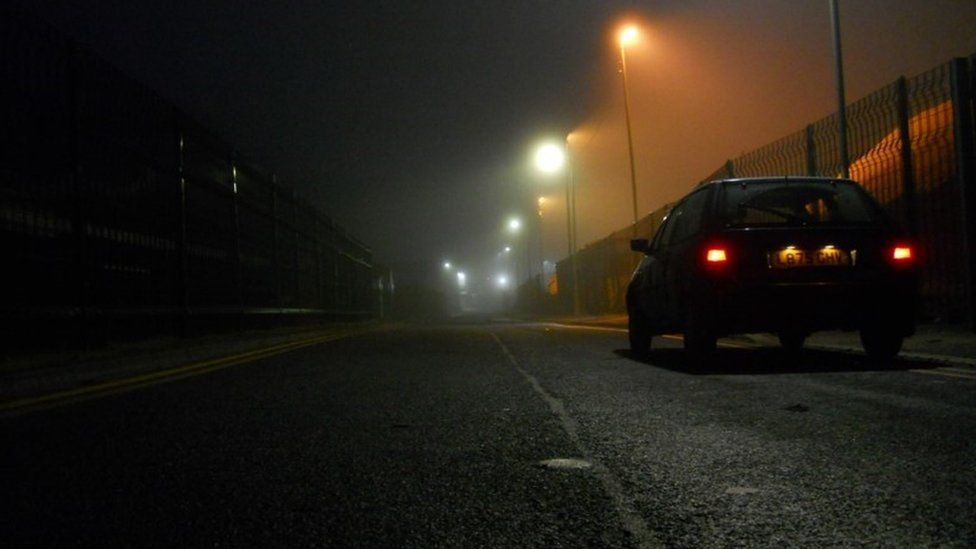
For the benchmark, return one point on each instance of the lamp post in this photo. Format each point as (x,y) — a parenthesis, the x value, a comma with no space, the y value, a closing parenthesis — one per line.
(841,102)
(515,227)
(628,36)
(541,201)
(550,158)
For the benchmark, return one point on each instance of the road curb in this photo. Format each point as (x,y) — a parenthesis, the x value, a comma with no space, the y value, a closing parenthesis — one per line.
(766,341)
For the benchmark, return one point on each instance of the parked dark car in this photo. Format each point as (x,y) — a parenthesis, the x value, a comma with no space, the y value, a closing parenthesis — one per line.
(784,255)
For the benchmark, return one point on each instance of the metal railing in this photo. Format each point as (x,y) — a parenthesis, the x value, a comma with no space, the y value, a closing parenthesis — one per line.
(117,209)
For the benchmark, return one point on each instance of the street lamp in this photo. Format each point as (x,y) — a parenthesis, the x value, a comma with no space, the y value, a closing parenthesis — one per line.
(447,265)
(841,106)
(550,158)
(628,36)
(541,201)
(514,227)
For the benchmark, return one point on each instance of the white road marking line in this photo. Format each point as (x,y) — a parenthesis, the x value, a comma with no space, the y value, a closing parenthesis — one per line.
(565,463)
(944,373)
(632,521)
(585,327)
(673,337)
(966,371)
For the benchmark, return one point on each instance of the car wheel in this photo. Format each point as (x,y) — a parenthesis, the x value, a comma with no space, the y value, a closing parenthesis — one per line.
(639,333)
(881,344)
(792,341)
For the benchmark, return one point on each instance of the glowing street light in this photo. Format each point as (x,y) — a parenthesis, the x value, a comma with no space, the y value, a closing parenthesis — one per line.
(550,158)
(447,265)
(502,281)
(462,279)
(514,224)
(508,249)
(628,36)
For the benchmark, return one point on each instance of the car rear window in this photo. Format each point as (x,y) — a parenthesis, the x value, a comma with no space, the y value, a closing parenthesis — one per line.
(771,203)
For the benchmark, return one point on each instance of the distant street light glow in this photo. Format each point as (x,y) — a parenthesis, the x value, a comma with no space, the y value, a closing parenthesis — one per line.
(514,224)
(502,281)
(550,158)
(462,279)
(447,265)
(508,249)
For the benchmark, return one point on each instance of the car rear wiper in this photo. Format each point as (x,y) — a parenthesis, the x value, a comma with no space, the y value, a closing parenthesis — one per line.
(785,215)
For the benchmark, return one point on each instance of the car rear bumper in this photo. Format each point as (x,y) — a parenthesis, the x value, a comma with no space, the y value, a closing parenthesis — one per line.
(812,306)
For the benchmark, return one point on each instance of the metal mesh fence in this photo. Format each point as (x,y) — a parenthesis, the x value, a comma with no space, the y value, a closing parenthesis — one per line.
(113,204)
(787,157)
(876,143)
(918,181)
(605,267)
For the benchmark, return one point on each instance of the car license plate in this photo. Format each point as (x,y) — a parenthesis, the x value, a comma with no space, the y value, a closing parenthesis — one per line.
(824,257)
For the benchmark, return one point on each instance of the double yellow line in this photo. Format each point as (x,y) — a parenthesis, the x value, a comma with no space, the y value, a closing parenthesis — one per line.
(89,392)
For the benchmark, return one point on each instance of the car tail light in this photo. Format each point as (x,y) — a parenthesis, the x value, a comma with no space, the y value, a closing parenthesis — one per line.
(902,254)
(716,255)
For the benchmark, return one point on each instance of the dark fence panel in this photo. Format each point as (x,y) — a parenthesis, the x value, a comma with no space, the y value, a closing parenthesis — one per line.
(256,229)
(127,157)
(287,249)
(39,232)
(938,193)
(119,213)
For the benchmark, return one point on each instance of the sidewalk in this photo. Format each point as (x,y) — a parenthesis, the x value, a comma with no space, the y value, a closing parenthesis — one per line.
(949,344)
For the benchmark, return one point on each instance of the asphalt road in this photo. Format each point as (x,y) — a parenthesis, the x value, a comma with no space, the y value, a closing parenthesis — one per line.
(435,436)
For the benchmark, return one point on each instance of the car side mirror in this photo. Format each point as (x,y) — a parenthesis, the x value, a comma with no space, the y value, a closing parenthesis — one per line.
(639,245)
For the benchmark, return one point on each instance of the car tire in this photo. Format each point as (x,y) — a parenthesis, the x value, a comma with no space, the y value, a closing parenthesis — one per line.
(639,333)
(792,341)
(881,344)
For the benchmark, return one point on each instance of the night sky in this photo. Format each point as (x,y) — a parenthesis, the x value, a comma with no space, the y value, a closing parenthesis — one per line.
(411,123)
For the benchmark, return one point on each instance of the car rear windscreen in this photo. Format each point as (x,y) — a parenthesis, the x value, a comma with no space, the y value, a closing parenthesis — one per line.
(796,203)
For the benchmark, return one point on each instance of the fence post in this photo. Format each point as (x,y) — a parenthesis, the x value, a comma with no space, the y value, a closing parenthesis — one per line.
(965,157)
(81,260)
(317,236)
(811,149)
(907,166)
(238,271)
(274,242)
(296,257)
(336,270)
(182,284)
